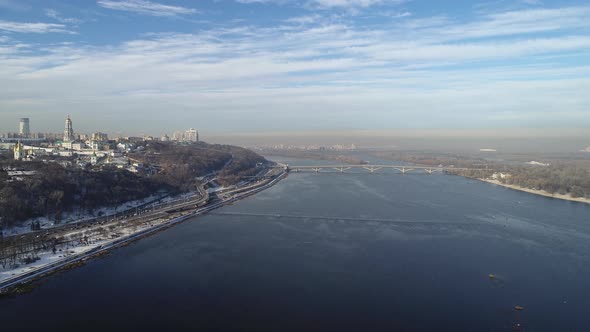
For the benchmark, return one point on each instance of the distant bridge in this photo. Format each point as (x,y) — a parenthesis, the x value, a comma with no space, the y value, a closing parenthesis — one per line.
(402,169)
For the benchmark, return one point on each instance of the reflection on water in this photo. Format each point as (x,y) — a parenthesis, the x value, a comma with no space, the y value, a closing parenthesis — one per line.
(325,252)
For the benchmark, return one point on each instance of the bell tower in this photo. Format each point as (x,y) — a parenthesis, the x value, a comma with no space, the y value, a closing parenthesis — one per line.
(18,151)
(68,131)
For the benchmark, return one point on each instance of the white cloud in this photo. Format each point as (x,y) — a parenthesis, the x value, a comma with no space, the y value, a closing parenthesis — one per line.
(352,3)
(306,19)
(329,4)
(494,25)
(257,1)
(453,73)
(25,27)
(54,14)
(146,7)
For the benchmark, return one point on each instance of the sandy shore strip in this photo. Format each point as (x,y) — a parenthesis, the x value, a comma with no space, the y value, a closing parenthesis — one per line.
(538,192)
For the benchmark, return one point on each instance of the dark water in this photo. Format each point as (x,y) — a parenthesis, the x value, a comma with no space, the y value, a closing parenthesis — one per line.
(417,259)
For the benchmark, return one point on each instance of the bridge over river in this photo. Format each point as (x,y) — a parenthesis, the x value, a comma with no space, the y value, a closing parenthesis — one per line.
(402,169)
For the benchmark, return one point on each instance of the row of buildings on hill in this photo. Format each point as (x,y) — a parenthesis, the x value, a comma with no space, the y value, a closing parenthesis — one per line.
(94,147)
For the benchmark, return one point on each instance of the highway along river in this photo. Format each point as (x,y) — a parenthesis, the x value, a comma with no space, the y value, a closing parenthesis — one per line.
(333,252)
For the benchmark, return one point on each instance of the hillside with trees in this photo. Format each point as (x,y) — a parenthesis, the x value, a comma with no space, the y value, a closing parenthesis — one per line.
(562,179)
(180,165)
(52,189)
(566,176)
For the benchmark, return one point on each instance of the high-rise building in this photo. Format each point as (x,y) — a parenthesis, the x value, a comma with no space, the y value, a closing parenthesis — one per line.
(101,137)
(178,136)
(191,135)
(23,128)
(69,131)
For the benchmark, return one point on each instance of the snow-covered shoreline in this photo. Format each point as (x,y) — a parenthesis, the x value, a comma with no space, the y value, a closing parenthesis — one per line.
(74,217)
(538,192)
(48,257)
(50,261)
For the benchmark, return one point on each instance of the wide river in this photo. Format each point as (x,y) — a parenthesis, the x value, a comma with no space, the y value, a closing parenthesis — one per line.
(333,252)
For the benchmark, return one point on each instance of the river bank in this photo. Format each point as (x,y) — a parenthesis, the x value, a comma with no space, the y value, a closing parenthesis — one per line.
(538,192)
(49,263)
(402,247)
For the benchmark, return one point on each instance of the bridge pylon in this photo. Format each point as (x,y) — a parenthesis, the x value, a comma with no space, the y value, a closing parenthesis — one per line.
(341,169)
(372,169)
(404,170)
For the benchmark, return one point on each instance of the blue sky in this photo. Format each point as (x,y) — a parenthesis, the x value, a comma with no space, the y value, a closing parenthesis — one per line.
(139,66)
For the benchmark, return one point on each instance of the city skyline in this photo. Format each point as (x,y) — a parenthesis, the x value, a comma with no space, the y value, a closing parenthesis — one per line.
(68,134)
(262,65)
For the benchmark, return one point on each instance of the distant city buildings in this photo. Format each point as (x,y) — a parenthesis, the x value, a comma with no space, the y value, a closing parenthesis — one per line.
(190,136)
(24,132)
(178,136)
(335,147)
(94,150)
(78,146)
(23,128)
(67,145)
(99,137)
(131,139)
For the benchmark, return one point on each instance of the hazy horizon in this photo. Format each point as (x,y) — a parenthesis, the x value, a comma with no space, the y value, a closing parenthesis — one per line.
(428,142)
(526,140)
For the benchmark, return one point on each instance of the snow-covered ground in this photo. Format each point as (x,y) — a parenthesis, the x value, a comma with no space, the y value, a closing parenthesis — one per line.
(121,230)
(48,257)
(76,216)
(216,189)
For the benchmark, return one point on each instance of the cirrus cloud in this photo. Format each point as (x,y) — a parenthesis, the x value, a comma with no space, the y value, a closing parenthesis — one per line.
(146,7)
(32,27)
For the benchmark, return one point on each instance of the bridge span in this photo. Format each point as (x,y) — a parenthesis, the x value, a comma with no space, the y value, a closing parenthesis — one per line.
(402,169)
